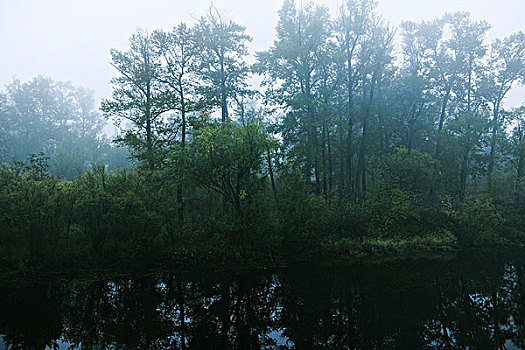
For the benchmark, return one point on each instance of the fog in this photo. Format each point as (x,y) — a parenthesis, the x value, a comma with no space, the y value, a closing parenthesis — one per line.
(71,40)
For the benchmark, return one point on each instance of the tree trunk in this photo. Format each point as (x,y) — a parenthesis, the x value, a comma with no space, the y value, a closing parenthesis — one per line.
(350,92)
(149,137)
(330,177)
(224,106)
(180,198)
(361,164)
(492,155)
(270,170)
(463,176)
(323,160)
(442,116)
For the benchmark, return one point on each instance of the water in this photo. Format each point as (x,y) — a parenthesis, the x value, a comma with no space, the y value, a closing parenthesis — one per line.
(475,301)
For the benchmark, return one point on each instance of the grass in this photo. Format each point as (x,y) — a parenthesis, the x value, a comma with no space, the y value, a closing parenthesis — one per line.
(372,246)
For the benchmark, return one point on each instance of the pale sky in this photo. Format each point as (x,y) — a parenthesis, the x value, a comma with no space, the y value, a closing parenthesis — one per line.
(70,40)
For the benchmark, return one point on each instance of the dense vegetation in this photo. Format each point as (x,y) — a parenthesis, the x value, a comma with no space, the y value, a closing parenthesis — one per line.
(344,149)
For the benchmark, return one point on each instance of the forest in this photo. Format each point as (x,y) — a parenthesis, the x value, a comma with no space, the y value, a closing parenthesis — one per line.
(346,138)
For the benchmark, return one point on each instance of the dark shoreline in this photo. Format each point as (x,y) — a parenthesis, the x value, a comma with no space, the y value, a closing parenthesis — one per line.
(322,260)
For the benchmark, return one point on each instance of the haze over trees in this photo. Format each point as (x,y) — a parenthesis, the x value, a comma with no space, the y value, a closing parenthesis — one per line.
(344,141)
(58,119)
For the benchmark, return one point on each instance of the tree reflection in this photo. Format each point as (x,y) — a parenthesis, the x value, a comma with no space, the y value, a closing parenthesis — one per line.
(476,303)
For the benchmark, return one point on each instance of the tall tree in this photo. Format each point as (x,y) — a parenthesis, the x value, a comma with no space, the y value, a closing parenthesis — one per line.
(517,141)
(87,119)
(377,53)
(179,70)
(37,110)
(223,69)
(140,97)
(4,127)
(352,27)
(427,54)
(505,67)
(292,78)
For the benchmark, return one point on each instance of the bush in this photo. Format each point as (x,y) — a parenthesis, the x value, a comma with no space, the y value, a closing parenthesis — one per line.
(477,221)
(397,204)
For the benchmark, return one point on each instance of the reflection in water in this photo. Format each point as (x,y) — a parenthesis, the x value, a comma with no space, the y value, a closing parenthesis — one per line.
(475,302)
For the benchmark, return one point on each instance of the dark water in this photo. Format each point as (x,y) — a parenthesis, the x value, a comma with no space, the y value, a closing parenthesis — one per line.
(476,301)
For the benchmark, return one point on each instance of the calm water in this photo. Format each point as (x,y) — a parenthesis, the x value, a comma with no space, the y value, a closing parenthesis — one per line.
(476,301)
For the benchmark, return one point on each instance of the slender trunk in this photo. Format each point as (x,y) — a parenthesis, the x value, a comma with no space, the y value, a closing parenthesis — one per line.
(350,92)
(330,176)
(342,159)
(463,176)
(492,154)
(323,160)
(521,158)
(382,137)
(309,153)
(437,150)
(520,165)
(414,115)
(469,83)
(361,164)
(316,161)
(149,138)
(341,145)
(224,106)
(180,198)
(270,170)
(410,123)
(442,116)
(349,154)
(312,136)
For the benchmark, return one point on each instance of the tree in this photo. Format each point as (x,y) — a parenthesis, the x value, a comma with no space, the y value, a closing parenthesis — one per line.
(423,46)
(517,141)
(465,139)
(397,201)
(505,67)
(36,111)
(140,97)
(56,118)
(4,127)
(179,71)
(377,53)
(227,158)
(352,27)
(222,52)
(293,80)
(87,119)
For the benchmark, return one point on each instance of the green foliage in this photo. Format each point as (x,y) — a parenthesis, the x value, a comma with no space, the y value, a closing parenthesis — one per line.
(139,98)
(32,212)
(116,213)
(407,170)
(222,68)
(397,202)
(304,220)
(227,158)
(478,221)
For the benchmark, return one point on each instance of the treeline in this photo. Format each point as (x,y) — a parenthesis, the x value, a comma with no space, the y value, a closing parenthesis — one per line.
(60,120)
(344,147)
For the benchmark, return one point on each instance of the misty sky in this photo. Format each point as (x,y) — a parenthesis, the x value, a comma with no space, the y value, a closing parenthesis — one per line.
(71,39)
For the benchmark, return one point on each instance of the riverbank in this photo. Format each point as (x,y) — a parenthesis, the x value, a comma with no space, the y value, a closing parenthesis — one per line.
(343,252)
